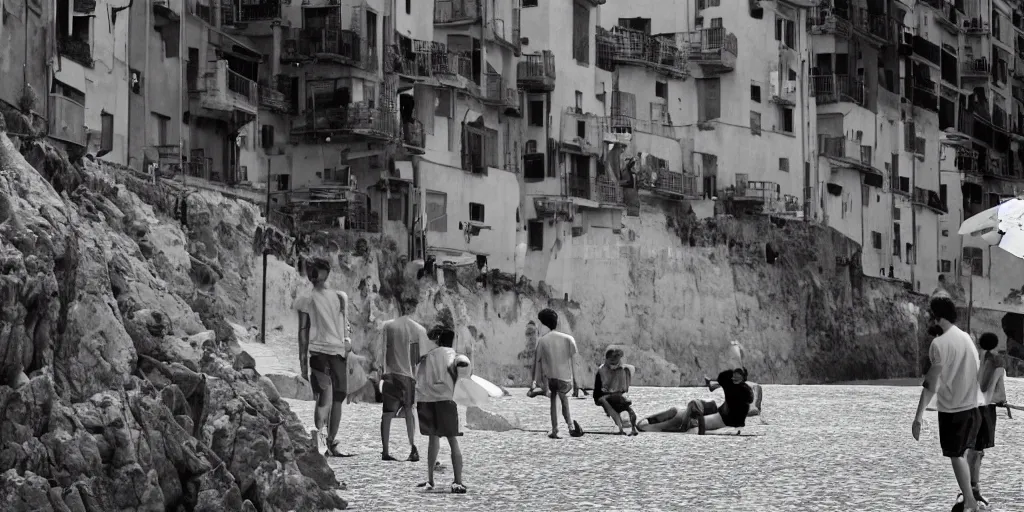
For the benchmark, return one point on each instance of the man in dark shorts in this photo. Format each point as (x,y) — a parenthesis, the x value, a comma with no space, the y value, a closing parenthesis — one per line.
(324,346)
(992,388)
(953,381)
(402,339)
(553,362)
(611,383)
(439,415)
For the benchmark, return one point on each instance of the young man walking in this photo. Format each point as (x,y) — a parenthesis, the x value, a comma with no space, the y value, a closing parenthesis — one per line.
(402,341)
(554,361)
(324,346)
(953,381)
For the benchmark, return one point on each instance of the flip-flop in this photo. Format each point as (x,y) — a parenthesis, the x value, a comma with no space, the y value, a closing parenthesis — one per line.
(458,489)
(554,436)
(427,486)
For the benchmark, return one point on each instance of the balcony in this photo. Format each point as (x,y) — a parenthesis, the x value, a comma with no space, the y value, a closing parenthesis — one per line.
(272,99)
(966,160)
(837,89)
(579,187)
(331,43)
(766,192)
(783,91)
(928,199)
(664,54)
(67,120)
(848,152)
(356,119)
(506,34)
(75,50)
(927,50)
(975,68)
(452,64)
(413,136)
(413,62)
(975,26)
(713,50)
(1018,68)
(874,27)
(673,184)
(456,12)
(247,11)
(949,16)
(924,93)
(834,21)
(223,92)
(583,133)
(999,119)
(497,93)
(536,72)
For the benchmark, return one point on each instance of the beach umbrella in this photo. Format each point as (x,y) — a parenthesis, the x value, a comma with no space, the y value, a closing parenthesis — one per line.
(1001,226)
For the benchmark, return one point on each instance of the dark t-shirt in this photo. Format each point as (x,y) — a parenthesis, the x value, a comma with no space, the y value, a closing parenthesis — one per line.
(738,398)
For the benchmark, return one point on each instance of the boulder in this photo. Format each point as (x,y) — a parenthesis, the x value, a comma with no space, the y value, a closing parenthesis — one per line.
(291,385)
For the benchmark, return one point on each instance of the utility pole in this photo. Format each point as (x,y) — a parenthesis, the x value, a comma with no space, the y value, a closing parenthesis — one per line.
(266,215)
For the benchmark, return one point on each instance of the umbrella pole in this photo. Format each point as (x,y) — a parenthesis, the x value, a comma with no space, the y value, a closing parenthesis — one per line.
(970,302)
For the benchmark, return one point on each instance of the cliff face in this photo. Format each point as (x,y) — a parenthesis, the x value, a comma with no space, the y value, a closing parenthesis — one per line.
(118,389)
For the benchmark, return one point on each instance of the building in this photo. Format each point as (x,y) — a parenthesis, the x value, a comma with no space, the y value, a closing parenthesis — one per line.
(156,83)
(25,75)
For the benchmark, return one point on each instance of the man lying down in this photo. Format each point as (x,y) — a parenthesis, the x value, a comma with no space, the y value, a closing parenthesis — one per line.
(700,416)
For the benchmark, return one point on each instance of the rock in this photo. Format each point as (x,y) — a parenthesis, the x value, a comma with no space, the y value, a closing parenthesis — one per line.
(269,389)
(479,419)
(292,386)
(244,361)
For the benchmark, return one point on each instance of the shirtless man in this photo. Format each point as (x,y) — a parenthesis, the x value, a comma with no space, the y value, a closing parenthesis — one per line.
(553,360)
(324,346)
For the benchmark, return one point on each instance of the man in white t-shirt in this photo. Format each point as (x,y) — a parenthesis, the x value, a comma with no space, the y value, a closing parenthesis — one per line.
(953,381)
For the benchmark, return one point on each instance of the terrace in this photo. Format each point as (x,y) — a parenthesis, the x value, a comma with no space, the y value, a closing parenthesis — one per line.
(536,72)
(627,47)
(837,89)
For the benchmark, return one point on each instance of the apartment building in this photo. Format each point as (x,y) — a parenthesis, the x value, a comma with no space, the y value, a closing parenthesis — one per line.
(156,83)
(985,166)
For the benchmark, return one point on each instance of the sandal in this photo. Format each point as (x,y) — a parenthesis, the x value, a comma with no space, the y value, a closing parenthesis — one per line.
(554,435)
(426,486)
(387,457)
(332,450)
(458,489)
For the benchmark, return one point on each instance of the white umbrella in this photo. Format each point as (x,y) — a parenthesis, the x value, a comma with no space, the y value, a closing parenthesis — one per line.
(1002,226)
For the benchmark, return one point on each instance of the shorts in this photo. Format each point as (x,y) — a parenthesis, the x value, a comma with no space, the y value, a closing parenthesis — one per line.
(958,431)
(399,392)
(328,372)
(699,409)
(987,431)
(439,419)
(559,386)
(618,402)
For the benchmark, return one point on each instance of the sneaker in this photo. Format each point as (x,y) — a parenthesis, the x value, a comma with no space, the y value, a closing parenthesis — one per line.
(321,440)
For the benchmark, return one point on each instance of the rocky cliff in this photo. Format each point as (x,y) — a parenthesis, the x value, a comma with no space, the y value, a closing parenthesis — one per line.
(121,386)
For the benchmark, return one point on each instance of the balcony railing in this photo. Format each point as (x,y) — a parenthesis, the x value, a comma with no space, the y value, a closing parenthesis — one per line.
(713,46)
(345,44)
(966,160)
(623,46)
(248,10)
(925,93)
(456,11)
(675,183)
(837,89)
(834,20)
(975,68)
(272,99)
(413,134)
(536,72)
(999,118)
(243,87)
(762,191)
(844,148)
(876,25)
(607,191)
(417,63)
(579,186)
(928,198)
(67,120)
(453,64)
(355,118)
(927,50)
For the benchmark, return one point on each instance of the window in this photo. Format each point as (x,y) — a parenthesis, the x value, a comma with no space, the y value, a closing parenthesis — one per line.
(444,103)
(408,6)
(865,195)
(529,3)
(580,33)
(943,195)
(755,93)
(437,211)
(395,210)
(135,79)
(896,239)
(785,31)
(911,254)
(876,240)
(107,134)
(473,150)
(161,123)
(283,181)
(974,259)
(579,101)
(716,22)
(787,120)
(639,24)
(896,214)
(535,113)
(535,235)
(755,122)
(784,164)
(947,266)
(661,89)
(476,212)
(533,166)
(709,99)
(904,185)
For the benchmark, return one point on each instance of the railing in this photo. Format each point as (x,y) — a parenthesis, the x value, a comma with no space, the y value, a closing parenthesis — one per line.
(242,86)
(875,24)
(537,67)
(966,160)
(413,134)
(675,183)
(925,93)
(965,122)
(833,20)
(195,169)
(928,198)
(67,120)
(711,44)
(928,50)
(842,147)
(453,63)
(975,67)
(343,43)
(607,191)
(418,63)
(766,191)
(664,53)
(272,99)
(456,11)
(999,118)
(837,89)
(247,10)
(354,118)
(578,186)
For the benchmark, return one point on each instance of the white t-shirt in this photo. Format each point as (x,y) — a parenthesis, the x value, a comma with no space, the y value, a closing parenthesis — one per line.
(958,387)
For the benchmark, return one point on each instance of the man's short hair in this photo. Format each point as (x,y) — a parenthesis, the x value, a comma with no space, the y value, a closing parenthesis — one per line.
(610,353)
(445,336)
(319,264)
(988,341)
(942,308)
(548,318)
